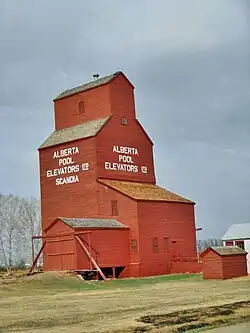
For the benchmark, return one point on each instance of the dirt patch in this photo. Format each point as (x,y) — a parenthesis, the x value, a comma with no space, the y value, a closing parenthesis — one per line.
(15,276)
(183,321)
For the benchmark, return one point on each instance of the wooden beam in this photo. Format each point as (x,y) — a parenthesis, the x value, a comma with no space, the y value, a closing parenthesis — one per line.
(59,240)
(113,272)
(33,250)
(90,262)
(62,235)
(36,258)
(90,257)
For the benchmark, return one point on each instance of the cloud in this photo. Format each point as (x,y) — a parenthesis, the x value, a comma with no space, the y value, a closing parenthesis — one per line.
(189,61)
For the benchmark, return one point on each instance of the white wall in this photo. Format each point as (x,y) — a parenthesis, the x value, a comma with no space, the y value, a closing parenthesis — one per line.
(247,249)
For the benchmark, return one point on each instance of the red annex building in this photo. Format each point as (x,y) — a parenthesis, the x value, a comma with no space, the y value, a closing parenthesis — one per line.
(100,201)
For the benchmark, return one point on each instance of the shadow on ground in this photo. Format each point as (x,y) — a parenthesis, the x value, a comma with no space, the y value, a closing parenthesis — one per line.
(186,320)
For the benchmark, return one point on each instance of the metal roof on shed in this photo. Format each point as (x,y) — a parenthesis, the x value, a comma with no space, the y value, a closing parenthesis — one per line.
(84,130)
(237,231)
(92,223)
(86,86)
(144,191)
(225,250)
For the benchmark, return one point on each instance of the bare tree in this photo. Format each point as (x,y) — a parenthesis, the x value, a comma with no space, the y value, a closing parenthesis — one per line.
(19,221)
(10,208)
(210,242)
(3,259)
(30,223)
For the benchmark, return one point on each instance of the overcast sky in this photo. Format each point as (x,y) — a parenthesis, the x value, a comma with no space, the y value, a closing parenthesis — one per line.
(190,64)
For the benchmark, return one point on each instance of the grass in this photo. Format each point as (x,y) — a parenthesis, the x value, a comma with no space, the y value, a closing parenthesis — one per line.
(63,303)
(53,283)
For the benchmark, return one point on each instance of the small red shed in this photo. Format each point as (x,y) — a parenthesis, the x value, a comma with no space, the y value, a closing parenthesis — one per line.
(224,262)
(73,244)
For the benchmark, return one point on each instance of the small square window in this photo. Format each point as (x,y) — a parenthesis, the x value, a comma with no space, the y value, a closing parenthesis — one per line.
(229,243)
(166,243)
(124,121)
(155,244)
(114,208)
(81,107)
(240,244)
(133,245)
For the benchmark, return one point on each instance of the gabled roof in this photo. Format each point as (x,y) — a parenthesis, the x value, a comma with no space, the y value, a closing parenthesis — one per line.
(92,223)
(237,231)
(89,85)
(84,130)
(144,191)
(224,250)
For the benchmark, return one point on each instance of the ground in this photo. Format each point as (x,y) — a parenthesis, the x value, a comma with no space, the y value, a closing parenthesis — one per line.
(239,328)
(56,302)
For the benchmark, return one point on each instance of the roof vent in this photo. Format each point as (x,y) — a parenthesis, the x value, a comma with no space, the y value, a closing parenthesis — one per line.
(96,76)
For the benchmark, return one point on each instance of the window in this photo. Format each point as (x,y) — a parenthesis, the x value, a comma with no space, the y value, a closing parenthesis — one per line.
(134,245)
(155,244)
(229,243)
(240,244)
(124,121)
(114,208)
(81,107)
(165,243)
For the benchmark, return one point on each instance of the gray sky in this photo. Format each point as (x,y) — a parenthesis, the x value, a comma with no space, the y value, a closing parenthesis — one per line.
(190,63)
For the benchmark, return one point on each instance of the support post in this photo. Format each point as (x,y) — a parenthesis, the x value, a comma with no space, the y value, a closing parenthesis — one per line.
(33,251)
(113,272)
(90,257)
(90,263)
(36,258)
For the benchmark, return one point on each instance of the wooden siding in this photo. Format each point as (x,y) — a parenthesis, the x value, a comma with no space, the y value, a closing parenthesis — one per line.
(96,105)
(60,252)
(69,200)
(109,247)
(172,220)
(215,266)
(132,136)
(234,266)
(212,266)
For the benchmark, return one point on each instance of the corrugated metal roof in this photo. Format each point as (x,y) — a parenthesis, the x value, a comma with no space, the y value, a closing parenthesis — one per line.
(144,191)
(86,86)
(92,223)
(237,231)
(228,250)
(84,130)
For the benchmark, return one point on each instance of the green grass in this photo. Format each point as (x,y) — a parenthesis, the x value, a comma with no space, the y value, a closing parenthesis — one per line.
(54,283)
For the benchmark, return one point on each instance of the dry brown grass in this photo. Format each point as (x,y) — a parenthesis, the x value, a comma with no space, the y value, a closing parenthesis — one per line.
(53,303)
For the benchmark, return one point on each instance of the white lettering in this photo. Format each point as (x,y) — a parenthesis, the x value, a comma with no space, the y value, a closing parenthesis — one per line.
(85,166)
(66,166)
(67,180)
(125,159)
(121,167)
(125,150)
(126,162)
(66,161)
(66,152)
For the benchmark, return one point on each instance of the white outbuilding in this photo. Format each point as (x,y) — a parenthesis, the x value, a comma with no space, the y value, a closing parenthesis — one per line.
(239,235)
